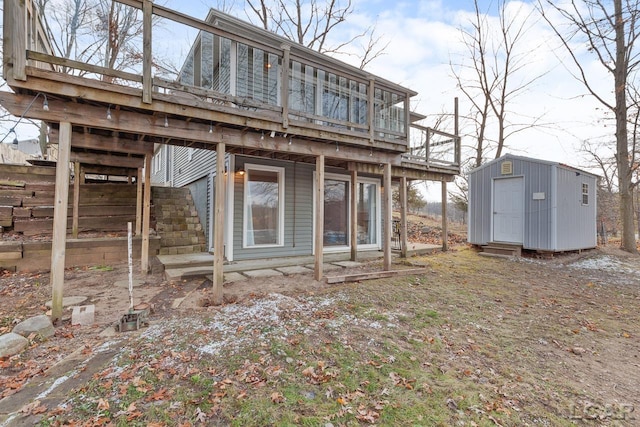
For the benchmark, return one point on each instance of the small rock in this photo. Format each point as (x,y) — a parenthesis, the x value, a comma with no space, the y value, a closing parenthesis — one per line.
(309,395)
(578,350)
(289,360)
(11,344)
(40,325)
(452,404)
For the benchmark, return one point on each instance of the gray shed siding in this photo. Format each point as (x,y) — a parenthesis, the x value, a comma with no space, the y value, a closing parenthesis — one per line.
(554,221)
(298,221)
(576,222)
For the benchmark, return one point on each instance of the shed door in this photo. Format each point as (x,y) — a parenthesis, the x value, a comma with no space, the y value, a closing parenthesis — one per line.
(508,210)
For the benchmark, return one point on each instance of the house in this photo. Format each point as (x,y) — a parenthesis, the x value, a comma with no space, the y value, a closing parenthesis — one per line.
(270,200)
(295,151)
(536,204)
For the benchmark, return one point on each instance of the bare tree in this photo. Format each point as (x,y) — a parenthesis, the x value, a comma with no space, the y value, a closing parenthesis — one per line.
(492,73)
(609,30)
(310,22)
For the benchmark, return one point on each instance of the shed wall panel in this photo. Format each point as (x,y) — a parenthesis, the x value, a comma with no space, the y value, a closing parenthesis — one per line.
(576,221)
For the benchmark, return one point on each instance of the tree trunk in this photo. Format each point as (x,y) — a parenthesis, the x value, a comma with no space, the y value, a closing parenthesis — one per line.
(622,144)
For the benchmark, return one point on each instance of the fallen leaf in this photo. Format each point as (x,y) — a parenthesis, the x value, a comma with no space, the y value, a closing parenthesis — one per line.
(277,397)
(103,404)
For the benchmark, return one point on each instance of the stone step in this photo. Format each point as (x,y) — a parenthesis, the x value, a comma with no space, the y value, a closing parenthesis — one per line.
(186,249)
(181,241)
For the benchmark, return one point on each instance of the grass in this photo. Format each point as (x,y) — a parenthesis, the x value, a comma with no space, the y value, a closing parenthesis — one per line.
(460,345)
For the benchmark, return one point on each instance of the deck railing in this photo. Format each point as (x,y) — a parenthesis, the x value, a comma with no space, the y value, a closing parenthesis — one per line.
(160,43)
(433,147)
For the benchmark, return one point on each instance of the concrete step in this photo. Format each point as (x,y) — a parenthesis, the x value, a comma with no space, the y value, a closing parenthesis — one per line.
(176,261)
(175,274)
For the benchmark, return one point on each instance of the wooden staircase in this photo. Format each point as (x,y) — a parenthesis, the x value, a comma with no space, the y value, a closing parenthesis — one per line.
(177,221)
(499,249)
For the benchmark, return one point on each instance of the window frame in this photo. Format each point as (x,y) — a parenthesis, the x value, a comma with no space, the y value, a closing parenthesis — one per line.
(585,194)
(280,171)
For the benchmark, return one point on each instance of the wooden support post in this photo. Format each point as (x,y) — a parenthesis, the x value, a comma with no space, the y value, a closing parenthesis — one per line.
(371,103)
(354,215)
(445,234)
(15,41)
(286,59)
(147,80)
(146,215)
(319,226)
(388,217)
(139,202)
(218,227)
(403,217)
(59,238)
(76,199)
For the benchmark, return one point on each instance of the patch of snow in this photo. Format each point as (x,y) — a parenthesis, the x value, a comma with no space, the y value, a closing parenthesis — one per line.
(605,262)
(53,386)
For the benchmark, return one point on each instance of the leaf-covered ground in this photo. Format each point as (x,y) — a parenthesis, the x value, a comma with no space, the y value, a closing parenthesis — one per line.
(474,341)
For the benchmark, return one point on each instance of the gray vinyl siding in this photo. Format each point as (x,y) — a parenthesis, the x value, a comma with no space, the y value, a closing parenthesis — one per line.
(298,202)
(157,176)
(186,171)
(200,193)
(556,222)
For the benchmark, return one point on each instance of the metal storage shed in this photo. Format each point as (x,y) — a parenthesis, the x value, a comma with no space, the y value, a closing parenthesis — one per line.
(537,204)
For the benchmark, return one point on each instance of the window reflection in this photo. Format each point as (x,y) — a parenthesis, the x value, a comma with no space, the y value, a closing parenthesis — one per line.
(336,204)
(262,225)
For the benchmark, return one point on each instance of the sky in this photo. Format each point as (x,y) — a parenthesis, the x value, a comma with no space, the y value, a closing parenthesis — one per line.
(423,37)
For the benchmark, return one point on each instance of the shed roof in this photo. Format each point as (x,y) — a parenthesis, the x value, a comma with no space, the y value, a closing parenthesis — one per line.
(533,160)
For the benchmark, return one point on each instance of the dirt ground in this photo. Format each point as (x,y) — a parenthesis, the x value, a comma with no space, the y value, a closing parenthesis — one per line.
(578,313)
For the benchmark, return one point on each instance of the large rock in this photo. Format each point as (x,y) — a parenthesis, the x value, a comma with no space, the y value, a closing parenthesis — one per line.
(11,344)
(40,325)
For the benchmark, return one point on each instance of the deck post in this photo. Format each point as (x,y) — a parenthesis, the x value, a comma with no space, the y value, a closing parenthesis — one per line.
(319,226)
(76,199)
(403,217)
(354,215)
(139,202)
(388,217)
(445,235)
(218,227)
(15,45)
(286,59)
(146,214)
(371,110)
(147,79)
(59,238)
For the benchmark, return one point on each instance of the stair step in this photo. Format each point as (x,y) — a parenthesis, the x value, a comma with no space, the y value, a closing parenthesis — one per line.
(179,250)
(176,274)
(203,259)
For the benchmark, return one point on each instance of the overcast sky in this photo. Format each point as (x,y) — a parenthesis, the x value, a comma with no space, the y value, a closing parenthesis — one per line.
(424,38)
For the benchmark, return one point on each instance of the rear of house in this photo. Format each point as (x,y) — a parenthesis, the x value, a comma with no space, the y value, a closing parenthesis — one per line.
(536,204)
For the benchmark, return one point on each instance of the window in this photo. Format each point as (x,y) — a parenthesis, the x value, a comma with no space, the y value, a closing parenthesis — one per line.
(257,74)
(585,193)
(368,208)
(264,206)
(302,88)
(336,212)
(157,161)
